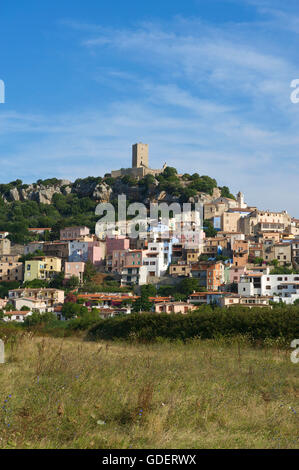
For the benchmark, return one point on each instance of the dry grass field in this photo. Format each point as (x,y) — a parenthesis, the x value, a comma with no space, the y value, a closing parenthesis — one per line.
(69,393)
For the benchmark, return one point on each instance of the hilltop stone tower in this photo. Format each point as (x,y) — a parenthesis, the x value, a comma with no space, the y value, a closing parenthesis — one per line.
(140,155)
(240,199)
(140,166)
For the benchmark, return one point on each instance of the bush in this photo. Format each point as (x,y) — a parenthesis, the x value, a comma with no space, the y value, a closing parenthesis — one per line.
(206,323)
(84,322)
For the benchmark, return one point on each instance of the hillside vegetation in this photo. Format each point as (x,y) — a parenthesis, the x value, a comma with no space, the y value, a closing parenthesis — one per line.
(55,204)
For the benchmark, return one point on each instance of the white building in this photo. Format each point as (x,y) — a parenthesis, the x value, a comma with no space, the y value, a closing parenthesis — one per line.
(278,286)
(40,300)
(16,315)
(157,259)
(133,275)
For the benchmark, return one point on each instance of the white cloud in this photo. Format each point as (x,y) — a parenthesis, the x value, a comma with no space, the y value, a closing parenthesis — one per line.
(217,104)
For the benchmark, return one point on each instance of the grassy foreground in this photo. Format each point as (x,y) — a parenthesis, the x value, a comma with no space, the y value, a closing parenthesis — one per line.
(69,393)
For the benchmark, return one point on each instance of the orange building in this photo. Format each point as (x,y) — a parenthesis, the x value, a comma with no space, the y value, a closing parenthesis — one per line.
(240,253)
(215,276)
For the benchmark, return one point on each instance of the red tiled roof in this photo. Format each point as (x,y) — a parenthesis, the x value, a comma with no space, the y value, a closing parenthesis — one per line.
(17,312)
(160,299)
(202,294)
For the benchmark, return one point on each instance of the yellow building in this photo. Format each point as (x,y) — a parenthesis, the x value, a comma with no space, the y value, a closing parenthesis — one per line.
(42,268)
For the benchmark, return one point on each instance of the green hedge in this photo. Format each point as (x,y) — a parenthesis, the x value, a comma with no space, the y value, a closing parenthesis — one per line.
(257,324)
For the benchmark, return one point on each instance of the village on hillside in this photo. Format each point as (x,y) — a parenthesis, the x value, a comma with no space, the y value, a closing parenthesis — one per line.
(241,256)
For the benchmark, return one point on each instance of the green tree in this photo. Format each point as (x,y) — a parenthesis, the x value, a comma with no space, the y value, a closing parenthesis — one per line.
(188,285)
(89,271)
(209,229)
(169,172)
(142,305)
(148,290)
(71,310)
(57,281)
(225,192)
(73,282)
(36,283)
(39,318)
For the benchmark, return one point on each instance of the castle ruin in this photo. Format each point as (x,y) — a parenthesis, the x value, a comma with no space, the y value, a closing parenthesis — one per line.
(140,165)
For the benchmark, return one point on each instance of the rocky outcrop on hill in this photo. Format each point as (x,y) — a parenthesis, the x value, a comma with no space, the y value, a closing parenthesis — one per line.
(37,192)
(43,193)
(102,192)
(96,189)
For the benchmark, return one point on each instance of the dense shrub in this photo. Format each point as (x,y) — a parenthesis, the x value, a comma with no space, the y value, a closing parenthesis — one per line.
(257,323)
(84,322)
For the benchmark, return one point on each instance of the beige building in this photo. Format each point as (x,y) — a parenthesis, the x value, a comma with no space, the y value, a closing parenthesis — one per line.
(214,209)
(192,254)
(266,221)
(229,300)
(11,271)
(9,258)
(269,237)
(74,233)
(4,246)
(181,269)
(43,300)
(282,252)
(233,219)
(217,207)
(294,227)
(230,221)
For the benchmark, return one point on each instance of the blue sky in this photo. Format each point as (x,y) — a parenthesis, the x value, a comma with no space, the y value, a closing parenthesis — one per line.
(205,82)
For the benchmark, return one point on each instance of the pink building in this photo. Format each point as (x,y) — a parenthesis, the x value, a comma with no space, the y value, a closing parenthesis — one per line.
(117,243)
(97,252)
(73,233)
(236,272)
(74,269)
(174,307)
(122,258)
